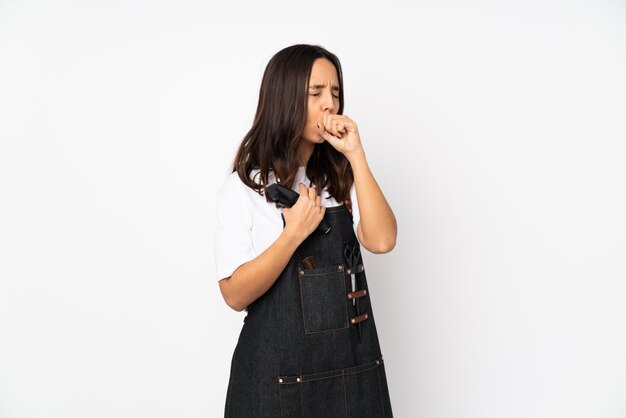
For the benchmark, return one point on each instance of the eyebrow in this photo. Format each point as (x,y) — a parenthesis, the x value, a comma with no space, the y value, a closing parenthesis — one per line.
(317,86)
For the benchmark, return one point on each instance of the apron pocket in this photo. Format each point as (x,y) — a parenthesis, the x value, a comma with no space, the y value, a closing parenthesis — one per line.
(323,298)
(349,392)
(319,398)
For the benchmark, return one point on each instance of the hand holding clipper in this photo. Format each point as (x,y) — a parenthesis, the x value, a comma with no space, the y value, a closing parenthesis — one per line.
(285,197)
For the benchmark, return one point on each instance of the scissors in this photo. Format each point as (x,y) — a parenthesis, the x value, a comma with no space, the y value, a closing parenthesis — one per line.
(352,256)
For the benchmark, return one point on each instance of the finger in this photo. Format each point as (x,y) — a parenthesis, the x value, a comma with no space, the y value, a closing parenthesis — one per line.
(333,125)
(346,121)
(337,143)
(327,122)
(339,128)
(312,193)
(327,135)
(318,201)
(340,117)
(302,189)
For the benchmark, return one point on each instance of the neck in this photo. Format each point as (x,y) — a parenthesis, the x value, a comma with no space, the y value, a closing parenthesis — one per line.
(305,152)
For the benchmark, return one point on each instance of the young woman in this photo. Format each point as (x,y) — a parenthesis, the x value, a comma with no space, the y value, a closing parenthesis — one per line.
(308,346)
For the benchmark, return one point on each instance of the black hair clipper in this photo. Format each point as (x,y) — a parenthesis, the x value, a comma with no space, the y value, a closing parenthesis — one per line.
(286,198)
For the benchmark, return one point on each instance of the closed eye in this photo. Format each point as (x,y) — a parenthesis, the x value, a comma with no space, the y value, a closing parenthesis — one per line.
(317,94)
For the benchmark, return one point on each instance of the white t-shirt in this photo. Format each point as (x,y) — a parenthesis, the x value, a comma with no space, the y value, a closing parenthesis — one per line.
(246,224)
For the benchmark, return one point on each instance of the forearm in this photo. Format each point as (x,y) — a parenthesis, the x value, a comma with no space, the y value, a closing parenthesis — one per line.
(378,223)
(254,278)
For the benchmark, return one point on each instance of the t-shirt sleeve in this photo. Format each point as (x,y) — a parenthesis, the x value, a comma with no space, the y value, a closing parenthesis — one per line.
(356,216)
(233,228)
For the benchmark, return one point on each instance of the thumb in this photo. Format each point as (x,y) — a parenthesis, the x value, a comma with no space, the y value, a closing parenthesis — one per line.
(334,141)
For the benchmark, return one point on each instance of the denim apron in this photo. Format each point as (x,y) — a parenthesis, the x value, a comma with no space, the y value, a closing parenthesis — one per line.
(300,352)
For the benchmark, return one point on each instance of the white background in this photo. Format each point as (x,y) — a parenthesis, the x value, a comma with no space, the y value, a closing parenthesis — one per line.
(495,129)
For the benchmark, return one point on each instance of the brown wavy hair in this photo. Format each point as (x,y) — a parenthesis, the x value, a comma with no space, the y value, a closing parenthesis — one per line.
(272,141)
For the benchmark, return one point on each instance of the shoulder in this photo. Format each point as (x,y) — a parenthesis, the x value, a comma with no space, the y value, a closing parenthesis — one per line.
(234,189)
(231,188)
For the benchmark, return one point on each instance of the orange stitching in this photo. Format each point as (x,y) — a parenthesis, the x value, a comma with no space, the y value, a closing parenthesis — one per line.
(343,373)
(300,277)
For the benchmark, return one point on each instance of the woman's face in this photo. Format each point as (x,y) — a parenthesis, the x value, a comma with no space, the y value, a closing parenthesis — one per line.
(323,97)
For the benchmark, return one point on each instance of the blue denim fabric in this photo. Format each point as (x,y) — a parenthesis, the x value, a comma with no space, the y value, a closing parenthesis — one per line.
(298,354)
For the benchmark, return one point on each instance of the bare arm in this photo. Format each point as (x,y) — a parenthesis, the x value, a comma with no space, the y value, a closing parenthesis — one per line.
(254,278)
(377,229)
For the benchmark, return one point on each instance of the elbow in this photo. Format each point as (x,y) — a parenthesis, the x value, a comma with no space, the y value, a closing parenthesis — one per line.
(390,246)
(380,247)
(388,243)
(384,243)
(384,247)
(237,308)
(235,305)
(229,296)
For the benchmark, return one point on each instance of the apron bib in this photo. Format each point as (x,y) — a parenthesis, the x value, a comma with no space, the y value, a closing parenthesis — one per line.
(300,352)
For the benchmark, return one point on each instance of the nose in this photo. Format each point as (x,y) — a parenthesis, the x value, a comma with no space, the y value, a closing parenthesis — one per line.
(328,104)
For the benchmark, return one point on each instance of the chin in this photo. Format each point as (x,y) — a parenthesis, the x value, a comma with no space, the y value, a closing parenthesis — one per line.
(317,139)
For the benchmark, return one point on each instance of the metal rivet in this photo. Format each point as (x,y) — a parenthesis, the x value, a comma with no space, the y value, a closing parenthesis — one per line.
(297,379)
(377,362)
(280,380)
(341,267)
(301,272)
